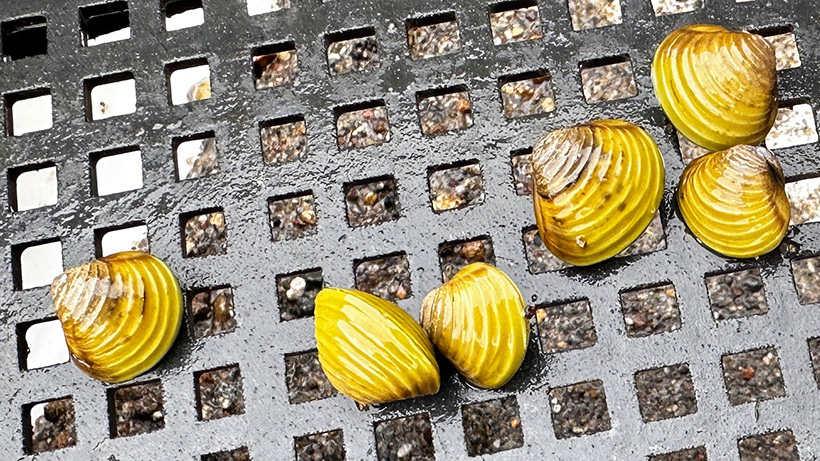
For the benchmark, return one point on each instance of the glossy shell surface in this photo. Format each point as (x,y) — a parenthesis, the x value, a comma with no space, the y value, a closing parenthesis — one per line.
(371,350)
(476,320)
(734,201)
(597,187)
(120,314)
(717,86)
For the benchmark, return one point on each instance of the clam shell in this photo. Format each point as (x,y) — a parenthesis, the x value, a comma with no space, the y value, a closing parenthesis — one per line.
(735,202)
(476,320)
(597,187)
(717,86)
(371,350)
(120,314)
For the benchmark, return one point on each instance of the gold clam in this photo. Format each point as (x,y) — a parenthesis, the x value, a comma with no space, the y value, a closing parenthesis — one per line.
(717,86)
(597,187)
(120,314)
(371,350)
(735,202)
(477,321)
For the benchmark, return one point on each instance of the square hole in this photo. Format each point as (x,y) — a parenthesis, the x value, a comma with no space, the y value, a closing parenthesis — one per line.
(456,185)
(589,14)
(181,14)
(814,356)
(521,160)
(204,233)
(652,239)
(372,201)
(41,344)
(691,454)
(354,50)
(579,409)
(566,327)
(737,294)
(689,150)
(28,111)
(444,110)
(110,96)
(527,94)
(327,446)
(779,446)
(292,216)
(136,409)
(783,41)
(664,7)
(24,37)
(409,437)
(666,392)
(753,375)
(804,197)
(49,425)
(195,155)
(387,277)
(275,65)
(515,21)
(36,264)
(284,140)
(456,255)
(211,311)
(806,273)
(256,7)
(362,125)
(117,170)
(32,186)
(305,379)
(649,311)
(104,23)
(431,36)
(539,258)
(188,81)
(794,126)
(219,393)
(297,292)
(608,79)
(492,426)
(239,454)
(127,237)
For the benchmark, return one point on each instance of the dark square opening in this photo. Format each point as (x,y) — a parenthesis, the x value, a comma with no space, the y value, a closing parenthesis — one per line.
(387,276)
(774,446)
(24,37)
(239,454)
(275,64)
(296,293)
(362,124)
(136,409)
(458,254)
(444,109)
(539,258)
(806,275)
(372,201)
(515,21)
(753,375)
(526,94)
(284,140)
(53,426)
(666,392)
(327,446)
(292,216)
(565,326)
(305,379)
(579,409)
(353,50)
(814,357)
(651,310)
(175,7)
(219,393)
(456,185)
(411,435)
(211,311)
(691,454)
(492,426)
(608,79)
(204,233)
(102,19)
(737,294)
(433,35)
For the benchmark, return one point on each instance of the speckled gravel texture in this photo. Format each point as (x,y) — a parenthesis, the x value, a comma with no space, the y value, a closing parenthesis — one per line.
(531,96)
(793,126)
(664,7)
(454,256)
(804,198)
(775,446)
(814,355)
(691,454)
(239,454)
(387,277)
(785,50)
(372,202)
(737,294)
(441,113)
(539,258)
(327,446)
(353,55)
(212,312)
(608,82)
(515,25)
(431,40)
(651,310)
(522,171)
(219,393)
(589,14)
(666,392)
(205,163)
(652,239)
(405,439)
(806,273)
(456,186)
(492,426)
(283,143)
(55,429)
(292,216)
(753,375)
(206,235)
(305,379)
(296,293)
(566,327)
(579,409)
(363,127)
(137,409)
(276,69)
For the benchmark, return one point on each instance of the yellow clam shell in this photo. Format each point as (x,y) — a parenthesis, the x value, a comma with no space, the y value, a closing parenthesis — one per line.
(717,86)
(597,187)
(120,314)
(371,350)
(735,202)
(476,320)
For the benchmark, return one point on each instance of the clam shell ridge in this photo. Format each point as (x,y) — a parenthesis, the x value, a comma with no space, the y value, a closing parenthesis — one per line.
(476,320)
(735,202)
(597,187)
(371,350)
(717,86)
(120,314)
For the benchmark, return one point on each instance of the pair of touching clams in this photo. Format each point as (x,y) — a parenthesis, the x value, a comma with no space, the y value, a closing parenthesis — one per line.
(596,188)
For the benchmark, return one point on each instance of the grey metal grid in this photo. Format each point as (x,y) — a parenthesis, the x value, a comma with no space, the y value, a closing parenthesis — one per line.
(252,261)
